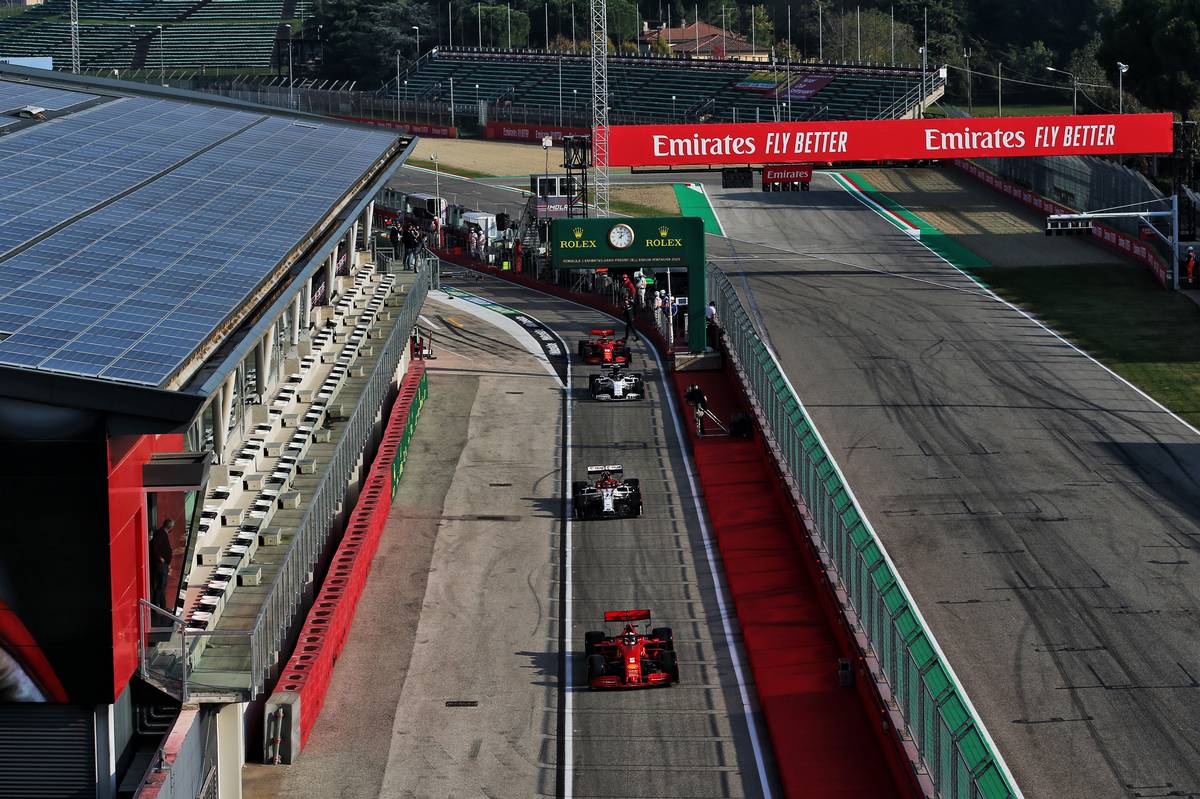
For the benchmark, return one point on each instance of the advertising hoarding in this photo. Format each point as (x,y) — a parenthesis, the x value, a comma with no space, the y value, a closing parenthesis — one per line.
(888,140)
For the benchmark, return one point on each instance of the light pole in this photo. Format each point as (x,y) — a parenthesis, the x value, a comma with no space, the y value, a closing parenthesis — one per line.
(417,28)
(291,83)
(575,101)
(1074,88)
(967,58)
(510,26)
(398,85)
(161,69)
(724,45)
(1121,70)
(479,22)
(672,108)
(437,187)
(406,92)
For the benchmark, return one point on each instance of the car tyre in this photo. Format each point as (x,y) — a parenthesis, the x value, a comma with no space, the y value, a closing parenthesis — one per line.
(669,662)
(665,634)
(595,667)
(590,639)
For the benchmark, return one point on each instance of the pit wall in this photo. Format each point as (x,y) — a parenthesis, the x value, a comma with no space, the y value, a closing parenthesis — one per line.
(292,709)
(1113,239)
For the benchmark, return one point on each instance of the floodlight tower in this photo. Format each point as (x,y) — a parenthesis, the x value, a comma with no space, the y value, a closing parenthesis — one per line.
(75,36)
(600,104)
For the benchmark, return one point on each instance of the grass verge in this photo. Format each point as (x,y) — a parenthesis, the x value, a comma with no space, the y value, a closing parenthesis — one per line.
(647,200)
(1121,316)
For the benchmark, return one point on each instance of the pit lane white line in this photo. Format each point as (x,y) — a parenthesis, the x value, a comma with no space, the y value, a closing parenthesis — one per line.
(568,738)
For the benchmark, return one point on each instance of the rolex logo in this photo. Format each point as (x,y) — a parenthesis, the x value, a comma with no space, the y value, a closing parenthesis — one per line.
(578,233)
(663,231)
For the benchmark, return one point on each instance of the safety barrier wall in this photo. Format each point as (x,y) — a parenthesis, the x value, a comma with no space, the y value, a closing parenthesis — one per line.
(1106,234)
(916,681)
(293,708)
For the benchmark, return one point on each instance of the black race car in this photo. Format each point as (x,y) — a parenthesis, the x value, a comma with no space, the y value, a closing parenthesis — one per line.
(608,497)
(618,384)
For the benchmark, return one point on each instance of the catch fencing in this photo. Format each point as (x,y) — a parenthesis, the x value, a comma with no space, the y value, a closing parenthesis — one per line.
(957,756)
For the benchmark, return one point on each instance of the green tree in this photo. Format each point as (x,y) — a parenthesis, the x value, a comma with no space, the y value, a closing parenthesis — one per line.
(496,27)
(758,20)
(1160,40)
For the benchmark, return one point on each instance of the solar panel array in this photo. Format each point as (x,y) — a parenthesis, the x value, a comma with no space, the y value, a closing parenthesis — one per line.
(131,290)
(15,95)
(51,172)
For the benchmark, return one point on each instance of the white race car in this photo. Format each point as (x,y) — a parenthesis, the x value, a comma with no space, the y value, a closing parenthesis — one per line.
(618,384)
(605,495)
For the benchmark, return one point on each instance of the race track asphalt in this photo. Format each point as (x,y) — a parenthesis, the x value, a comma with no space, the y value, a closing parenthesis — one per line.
(1043,513)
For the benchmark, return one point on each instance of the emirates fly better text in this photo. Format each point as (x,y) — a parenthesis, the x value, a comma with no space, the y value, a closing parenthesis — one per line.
(830,142)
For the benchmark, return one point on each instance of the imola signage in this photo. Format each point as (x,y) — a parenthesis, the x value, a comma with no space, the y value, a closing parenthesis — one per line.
(888,140)
(631,243)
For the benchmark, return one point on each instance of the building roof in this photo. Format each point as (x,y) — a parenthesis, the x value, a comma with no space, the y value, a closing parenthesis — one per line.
(139,227)
(700,37)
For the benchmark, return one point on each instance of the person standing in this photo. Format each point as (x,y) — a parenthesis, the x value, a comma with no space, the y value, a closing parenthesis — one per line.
(161,551)
(710,323)
(627,308)
(1191,267)
(640,282)
(409,241)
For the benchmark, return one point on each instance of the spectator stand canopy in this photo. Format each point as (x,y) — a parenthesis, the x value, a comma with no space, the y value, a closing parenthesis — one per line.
(149,236)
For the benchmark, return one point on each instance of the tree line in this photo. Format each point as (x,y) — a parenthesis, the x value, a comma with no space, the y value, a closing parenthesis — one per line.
(1082,40)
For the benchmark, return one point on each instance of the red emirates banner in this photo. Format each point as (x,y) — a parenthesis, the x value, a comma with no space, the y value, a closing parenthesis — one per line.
(801,173)
(888,140)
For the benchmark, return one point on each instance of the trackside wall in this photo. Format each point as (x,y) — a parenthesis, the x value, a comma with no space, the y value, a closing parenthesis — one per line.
(1108,236)
(292,709)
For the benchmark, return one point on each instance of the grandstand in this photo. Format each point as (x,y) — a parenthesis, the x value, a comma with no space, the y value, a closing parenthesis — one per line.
(659,89)
(124,35)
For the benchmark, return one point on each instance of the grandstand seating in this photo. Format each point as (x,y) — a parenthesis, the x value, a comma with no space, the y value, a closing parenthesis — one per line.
(123,34)
(240,9)
(642,88)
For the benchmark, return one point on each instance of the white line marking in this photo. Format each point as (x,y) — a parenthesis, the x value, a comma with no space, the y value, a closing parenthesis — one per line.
(428,321)
(897,220)
(711,207)
(568,728)
(993,295)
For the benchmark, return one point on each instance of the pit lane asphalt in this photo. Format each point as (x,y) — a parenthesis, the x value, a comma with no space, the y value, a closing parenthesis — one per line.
(1043,514)
(689,740)
(456,607)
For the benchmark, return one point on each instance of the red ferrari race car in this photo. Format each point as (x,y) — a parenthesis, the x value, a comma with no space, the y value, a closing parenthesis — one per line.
(630,659)
(604,349)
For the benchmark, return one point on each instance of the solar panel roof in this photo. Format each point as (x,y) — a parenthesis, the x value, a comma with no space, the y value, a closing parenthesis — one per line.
(51,172)
(215,200)
(18,95)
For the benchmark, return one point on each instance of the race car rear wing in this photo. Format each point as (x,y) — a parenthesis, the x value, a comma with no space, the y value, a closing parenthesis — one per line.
(612,467)
(603,331)
(627,615)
